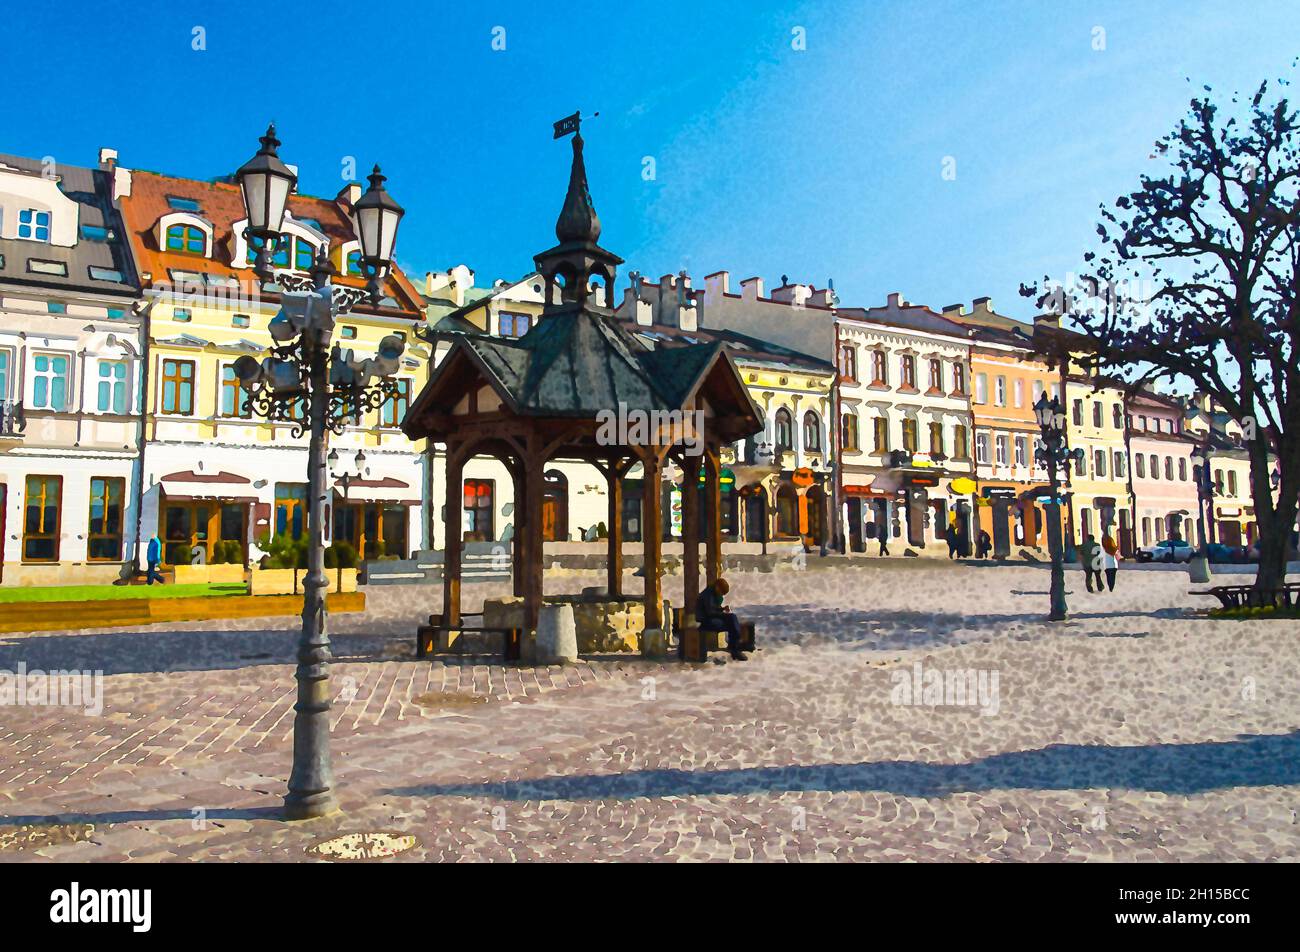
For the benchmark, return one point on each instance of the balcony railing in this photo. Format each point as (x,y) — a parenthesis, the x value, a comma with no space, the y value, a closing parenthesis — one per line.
(12,421)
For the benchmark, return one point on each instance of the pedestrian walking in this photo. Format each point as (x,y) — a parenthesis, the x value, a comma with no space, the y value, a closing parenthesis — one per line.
(983,545)
(1090,559)
(882,535)
(153,555)
(1109,561)
(951,535)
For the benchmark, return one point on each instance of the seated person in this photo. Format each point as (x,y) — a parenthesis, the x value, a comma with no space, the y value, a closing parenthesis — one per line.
(712,614)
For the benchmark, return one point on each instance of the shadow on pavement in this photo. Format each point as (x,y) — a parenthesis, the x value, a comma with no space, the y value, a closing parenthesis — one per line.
(1176,769)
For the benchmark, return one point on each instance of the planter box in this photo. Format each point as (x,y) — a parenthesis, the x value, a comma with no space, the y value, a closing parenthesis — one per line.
(226,574)
(273,582)
(192,574)
(342,580)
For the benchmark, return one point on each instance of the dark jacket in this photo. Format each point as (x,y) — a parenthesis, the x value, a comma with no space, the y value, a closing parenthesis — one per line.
(708,605)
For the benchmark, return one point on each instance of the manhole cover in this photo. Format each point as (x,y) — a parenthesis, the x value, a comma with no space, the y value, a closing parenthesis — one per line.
(438,699)
(365,846)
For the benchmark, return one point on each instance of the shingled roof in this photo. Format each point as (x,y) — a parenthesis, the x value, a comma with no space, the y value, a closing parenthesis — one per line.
(578,362)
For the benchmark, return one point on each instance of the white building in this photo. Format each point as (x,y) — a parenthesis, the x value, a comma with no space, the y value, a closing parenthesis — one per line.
(69,377)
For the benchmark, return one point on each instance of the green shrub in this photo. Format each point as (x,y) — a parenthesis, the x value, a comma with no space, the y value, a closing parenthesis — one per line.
(227,552)
(284,551)
(341,555)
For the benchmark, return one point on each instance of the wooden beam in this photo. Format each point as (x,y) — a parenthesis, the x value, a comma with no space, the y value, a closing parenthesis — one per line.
(519,542)
(614,557)
(534,465)
(452,542)
(690,536)
(713,513)
(652,537)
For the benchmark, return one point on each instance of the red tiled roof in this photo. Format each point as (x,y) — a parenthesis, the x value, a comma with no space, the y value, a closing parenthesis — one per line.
(221,204)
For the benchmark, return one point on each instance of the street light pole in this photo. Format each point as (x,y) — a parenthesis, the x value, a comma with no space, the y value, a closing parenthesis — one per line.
(335,387)
(1054,455)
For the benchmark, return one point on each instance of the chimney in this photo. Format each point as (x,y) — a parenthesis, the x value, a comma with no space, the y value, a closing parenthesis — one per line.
(896,300)
(793,294)
(1047,320)
(982,304)
(687,313)
(717,284)
(107,159)
(751,289)
(954,310)
(823,298)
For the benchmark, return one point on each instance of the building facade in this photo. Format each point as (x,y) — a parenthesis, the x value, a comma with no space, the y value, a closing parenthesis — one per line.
(212,470)
(904,396)
(1007,380)
(778,487)
(1166,500)
(70,366)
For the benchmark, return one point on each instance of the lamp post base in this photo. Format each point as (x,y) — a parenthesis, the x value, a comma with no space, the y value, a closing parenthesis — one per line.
(310,806)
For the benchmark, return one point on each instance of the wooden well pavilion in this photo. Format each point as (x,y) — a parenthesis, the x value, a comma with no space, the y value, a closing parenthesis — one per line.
(580,386)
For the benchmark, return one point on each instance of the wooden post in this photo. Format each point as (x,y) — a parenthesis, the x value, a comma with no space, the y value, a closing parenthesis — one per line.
(452,544)
(519,542)
(713,513)
(690,537)
(652,536)
(614,559)
(534,463)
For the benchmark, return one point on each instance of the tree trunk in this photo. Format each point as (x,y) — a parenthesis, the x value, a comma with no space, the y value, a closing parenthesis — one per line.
(1275,521)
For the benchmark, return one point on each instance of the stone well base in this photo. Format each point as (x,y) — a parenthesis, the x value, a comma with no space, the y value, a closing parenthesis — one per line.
(603,625)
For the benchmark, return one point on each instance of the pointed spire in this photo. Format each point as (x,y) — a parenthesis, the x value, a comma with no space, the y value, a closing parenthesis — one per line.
(578,220)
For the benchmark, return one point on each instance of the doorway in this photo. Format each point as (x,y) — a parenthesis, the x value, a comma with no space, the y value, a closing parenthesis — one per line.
(555,507)
(855,525)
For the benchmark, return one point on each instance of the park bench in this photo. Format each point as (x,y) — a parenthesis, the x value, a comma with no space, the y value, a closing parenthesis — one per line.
(695,642)
(426,637)
(1247,596)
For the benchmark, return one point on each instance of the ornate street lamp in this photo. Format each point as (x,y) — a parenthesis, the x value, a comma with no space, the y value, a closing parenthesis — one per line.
(266,183)
(1053,454)
(377,219)
(320,388)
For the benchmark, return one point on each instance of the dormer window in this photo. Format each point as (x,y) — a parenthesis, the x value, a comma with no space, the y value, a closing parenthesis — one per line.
(303,256)
(34,225)
(183,204)
(187,240)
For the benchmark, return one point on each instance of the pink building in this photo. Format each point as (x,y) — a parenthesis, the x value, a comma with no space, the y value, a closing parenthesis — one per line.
(1162,468)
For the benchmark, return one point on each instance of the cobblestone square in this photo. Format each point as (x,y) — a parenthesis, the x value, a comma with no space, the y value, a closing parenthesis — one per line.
(1137,730)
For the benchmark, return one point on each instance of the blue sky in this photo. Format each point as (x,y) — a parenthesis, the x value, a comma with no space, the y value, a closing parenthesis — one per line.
(821,162)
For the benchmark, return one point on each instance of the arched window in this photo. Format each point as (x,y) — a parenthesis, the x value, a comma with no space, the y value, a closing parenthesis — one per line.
(812,432)
(187,240)
(784,430)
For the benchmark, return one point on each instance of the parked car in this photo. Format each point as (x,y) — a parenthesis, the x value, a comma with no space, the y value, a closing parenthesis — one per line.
(1168,550)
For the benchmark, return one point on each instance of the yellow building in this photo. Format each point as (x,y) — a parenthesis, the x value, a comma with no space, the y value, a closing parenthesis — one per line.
(1100,501)
(213,471)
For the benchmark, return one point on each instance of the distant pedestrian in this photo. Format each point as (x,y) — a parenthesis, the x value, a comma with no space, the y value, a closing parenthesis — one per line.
(1090,559)
(983,545)
(882,535)
(153,555)
(951,535)
(1109,561)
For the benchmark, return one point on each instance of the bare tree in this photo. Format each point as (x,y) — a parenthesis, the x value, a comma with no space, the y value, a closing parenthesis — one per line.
(1198,280)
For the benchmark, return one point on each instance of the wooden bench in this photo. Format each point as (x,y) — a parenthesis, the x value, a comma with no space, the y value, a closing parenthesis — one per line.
(426,637)
(694,643)
(1247,596)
